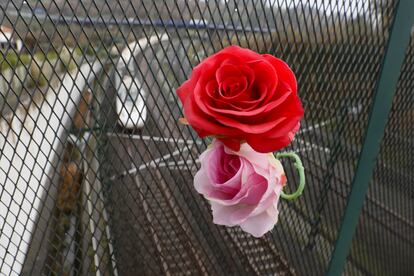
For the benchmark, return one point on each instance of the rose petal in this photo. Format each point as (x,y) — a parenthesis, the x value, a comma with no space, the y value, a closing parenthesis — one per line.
(228,71)
(187,87)
(262,223)
(209,125)
(248,113)
(190,111)
(260,161)
(212,89)
(266,75)
(234,89)
(227,190)
(202,183)
(233,144)
(266,145)
(266,203)
(229,215)
(241,53)
(283,71)
(252,128)
(257,186)
(250,193)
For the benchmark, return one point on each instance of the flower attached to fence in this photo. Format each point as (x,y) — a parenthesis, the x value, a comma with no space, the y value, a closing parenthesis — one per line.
(239,95)
(243,187)
(248,102)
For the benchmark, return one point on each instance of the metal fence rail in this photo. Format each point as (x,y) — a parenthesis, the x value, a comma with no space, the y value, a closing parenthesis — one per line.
(84,192)
(389,216)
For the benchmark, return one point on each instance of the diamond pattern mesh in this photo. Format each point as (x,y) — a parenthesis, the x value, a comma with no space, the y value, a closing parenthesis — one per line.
(384,239)
(96,172)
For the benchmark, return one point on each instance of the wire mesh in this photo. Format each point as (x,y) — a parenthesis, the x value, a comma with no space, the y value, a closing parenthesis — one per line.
(383,243)
(96,172)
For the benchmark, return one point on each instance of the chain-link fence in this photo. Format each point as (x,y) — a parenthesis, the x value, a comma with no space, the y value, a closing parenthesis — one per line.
(96,172)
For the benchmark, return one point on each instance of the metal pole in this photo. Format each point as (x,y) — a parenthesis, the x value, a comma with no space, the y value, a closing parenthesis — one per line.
(385,90)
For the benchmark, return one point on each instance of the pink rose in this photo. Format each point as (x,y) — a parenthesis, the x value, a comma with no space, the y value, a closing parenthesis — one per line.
(243,187)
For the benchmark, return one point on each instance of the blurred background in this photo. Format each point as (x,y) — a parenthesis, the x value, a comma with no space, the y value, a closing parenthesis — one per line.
(96,171)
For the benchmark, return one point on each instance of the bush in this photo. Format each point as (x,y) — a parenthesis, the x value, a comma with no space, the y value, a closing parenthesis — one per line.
(8,60)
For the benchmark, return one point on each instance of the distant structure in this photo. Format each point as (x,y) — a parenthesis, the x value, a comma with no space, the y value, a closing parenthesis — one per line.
(7,41)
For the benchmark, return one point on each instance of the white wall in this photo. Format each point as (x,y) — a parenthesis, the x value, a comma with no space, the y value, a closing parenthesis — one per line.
(25,164)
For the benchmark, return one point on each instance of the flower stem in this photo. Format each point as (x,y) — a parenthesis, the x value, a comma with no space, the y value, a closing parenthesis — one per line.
(301,172)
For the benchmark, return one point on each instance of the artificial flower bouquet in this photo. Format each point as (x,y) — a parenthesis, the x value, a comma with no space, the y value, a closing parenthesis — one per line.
(248,103)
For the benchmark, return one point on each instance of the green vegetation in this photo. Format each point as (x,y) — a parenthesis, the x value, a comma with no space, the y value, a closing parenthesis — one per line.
(12,60)
(86,50)
(41,56)
(37,69)
(36,78)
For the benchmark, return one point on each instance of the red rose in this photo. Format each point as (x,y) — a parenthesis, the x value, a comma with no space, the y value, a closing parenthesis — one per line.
(238,95)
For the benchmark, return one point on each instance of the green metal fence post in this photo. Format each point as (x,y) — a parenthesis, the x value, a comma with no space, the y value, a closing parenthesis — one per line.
(385,90)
